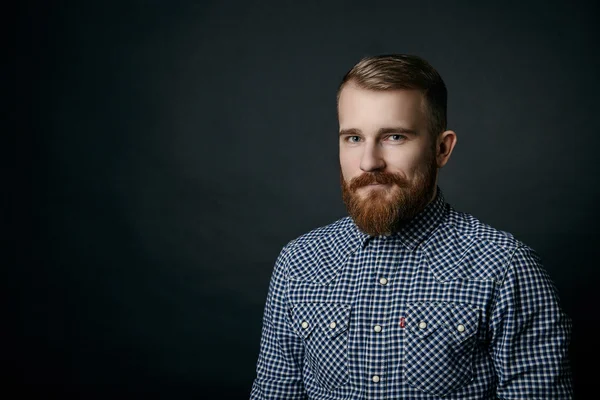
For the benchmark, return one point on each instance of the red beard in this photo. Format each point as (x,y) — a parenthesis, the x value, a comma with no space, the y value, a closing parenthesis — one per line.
(383,211)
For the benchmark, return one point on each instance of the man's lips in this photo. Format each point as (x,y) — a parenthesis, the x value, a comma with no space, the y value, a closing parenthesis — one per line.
(376,184)
(376,181)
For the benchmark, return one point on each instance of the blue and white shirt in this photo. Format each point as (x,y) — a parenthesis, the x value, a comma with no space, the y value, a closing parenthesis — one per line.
(446,308)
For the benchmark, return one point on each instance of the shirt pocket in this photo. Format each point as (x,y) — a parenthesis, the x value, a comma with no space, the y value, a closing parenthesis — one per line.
(323,328)
(440,345)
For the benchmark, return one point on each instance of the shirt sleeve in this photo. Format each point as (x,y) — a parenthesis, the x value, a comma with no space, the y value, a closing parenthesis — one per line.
(279,366)
(530,334)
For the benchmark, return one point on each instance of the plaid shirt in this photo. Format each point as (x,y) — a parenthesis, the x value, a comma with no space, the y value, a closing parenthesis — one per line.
(446,308)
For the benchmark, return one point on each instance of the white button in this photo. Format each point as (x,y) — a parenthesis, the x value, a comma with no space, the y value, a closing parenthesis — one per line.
(422,325)
(375,378)
(383,281)
(461,328)
(305,325)
(332,325)
(377,328)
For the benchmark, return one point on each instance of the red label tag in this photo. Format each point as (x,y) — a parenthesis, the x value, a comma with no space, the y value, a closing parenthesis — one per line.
(402,322)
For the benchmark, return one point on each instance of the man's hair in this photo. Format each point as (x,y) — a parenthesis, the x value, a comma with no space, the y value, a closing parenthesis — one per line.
(403,71)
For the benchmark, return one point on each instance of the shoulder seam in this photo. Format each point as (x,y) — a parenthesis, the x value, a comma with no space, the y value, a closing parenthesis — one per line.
(516,243)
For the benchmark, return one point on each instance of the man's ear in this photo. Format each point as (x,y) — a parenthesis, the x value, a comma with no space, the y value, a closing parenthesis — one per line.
(444,146)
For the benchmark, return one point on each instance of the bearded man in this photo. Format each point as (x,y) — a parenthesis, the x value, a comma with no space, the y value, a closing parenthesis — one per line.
(407,298)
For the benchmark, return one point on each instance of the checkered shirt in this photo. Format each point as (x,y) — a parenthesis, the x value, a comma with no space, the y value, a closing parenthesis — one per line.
(446,308)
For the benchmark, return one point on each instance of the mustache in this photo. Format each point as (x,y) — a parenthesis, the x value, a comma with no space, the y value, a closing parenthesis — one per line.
(384,178)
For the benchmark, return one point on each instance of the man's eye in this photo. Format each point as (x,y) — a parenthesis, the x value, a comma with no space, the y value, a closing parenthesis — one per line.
(353,139)
(395,138)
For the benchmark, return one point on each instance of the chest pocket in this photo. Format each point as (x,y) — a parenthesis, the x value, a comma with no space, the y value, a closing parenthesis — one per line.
(323,328)
(440,343)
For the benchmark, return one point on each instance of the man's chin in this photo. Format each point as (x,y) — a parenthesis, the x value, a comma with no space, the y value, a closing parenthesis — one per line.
(376,204)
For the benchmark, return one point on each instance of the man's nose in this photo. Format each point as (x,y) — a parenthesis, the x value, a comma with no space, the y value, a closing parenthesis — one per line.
(372,159)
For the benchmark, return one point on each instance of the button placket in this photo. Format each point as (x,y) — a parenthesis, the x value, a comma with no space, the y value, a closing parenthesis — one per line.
(382,272)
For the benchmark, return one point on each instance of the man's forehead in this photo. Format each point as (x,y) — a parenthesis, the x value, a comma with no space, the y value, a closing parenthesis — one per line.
(358,105)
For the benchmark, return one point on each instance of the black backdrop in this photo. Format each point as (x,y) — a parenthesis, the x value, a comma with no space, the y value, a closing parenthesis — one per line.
(165,151)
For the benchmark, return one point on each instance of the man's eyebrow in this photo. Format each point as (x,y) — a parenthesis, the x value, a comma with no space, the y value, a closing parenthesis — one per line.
(351,131)
(382,131)
(398,129)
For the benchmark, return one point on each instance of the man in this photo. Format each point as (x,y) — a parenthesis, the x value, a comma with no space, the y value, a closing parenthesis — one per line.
(407,298)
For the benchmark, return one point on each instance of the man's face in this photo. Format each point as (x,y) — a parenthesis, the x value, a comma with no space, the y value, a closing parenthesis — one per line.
(387,157)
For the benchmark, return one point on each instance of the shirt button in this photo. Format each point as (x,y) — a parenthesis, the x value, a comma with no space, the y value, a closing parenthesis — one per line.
(461,328)
(332,325)
(377,328)
(422,325)
(304,325)
(383,281)
(375,378)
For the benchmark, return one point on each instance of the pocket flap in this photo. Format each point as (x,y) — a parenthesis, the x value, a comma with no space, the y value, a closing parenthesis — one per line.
(334,318)
(304,318)
(425,317)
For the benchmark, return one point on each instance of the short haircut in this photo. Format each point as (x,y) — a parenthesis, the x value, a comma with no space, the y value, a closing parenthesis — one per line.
(403,71)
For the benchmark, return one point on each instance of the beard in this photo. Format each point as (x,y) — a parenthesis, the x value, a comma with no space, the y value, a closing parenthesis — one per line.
(383,211)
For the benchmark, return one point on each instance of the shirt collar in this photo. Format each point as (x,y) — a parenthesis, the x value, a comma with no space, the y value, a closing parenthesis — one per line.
(416,230)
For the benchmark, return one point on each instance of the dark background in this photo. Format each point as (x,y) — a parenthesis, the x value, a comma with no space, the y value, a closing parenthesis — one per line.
(166,151)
